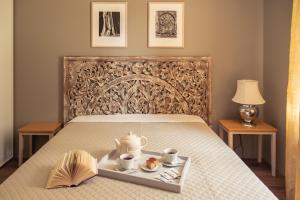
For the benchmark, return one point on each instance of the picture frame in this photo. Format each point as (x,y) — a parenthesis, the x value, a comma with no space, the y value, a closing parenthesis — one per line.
(109,24)
(166,24)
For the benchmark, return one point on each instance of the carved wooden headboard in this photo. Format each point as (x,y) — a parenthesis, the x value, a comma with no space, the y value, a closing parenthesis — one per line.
(110,85)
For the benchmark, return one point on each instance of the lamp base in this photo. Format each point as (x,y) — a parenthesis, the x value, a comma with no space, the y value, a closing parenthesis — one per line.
(248,124)
(248,114)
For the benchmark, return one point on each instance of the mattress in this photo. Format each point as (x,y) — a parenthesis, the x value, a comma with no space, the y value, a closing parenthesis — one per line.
(216,172)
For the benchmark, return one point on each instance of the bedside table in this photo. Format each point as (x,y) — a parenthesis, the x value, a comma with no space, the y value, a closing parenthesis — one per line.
(36,128)
(234,127)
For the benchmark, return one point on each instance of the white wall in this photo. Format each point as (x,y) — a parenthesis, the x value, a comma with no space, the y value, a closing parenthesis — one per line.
(6,80)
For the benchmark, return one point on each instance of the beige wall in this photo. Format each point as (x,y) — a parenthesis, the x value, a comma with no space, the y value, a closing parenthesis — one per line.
(277,20)
(6,80)
(230,31)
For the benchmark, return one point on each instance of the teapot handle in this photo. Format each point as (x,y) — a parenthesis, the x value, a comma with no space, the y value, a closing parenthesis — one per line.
(144,141)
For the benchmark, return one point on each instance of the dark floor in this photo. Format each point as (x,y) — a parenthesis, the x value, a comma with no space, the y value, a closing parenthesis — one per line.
(275,184)
(7,169)
(263,172)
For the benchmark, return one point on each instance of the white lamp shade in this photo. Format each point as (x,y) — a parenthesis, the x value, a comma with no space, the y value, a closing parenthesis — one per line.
(247,92)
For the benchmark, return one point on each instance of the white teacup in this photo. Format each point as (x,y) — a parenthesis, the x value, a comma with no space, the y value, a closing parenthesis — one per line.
(170,155)
(127,161)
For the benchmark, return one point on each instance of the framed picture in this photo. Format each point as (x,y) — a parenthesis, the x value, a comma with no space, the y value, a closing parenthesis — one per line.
(109,24)
(166,24)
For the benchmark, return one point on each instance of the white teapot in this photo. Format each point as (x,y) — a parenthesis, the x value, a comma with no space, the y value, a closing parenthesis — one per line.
(131,144)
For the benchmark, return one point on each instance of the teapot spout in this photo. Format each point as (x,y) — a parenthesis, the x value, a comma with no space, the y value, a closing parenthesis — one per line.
(117,142)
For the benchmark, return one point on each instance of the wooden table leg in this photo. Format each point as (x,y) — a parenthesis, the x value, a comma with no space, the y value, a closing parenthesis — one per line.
(221,133)
(30,145)
(51,136)
(21,147)
(260,141)
(230,140)
(273,154)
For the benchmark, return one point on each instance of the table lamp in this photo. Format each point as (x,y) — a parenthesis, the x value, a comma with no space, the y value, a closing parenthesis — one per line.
(248,95)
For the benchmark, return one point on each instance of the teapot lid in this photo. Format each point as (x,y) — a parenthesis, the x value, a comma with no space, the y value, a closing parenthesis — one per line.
(130,136)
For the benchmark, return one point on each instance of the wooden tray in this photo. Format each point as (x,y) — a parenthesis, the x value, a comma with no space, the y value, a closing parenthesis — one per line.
(109,164)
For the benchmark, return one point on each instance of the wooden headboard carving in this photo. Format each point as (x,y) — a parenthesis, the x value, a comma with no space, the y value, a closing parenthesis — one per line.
(110,85)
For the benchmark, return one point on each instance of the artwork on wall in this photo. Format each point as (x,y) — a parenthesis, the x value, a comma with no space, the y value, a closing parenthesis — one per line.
(109,24)
(166,24)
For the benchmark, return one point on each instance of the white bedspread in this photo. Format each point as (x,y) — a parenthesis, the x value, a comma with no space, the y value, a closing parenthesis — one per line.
(216,172)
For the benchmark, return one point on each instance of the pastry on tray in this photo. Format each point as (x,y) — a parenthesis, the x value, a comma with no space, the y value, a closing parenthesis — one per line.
(151,163)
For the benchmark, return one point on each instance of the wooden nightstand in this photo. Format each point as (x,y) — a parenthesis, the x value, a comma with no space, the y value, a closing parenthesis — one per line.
(233,127)
(36,128)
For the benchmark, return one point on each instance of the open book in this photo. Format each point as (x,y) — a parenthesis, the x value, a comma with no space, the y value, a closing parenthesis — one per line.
(75,167)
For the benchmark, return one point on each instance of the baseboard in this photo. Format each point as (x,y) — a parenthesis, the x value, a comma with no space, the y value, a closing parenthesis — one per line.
(8,159)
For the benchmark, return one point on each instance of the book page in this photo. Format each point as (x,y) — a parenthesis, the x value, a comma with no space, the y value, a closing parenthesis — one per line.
(75,167)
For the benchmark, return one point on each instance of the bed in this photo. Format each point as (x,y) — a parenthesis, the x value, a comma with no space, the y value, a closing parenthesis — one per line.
(104,98)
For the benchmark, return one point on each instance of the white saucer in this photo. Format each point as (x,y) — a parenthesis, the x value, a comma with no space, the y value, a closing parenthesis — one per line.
(173,164)
(145,168)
